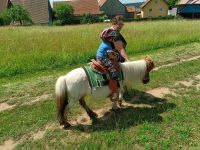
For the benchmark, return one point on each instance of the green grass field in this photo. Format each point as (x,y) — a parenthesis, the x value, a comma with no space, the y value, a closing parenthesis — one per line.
(32,58)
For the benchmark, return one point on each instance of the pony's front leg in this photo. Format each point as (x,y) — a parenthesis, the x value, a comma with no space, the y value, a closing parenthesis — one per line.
(121,93)
(91,114)
(115,101)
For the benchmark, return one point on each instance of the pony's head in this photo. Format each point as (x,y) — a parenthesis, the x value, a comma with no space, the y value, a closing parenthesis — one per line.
(149,66)
(137,71)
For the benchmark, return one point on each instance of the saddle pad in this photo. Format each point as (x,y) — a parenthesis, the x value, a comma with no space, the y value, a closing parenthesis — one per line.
(96,79)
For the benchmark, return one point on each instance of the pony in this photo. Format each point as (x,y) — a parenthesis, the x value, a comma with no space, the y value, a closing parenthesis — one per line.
(74,87)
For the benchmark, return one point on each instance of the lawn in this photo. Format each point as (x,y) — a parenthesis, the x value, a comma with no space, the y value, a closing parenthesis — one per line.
(32,58)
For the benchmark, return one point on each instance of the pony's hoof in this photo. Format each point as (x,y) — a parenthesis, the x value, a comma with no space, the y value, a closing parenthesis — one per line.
(115,108)
(95,120)
(92,114)
(121,105)
(67,125)
(95,115)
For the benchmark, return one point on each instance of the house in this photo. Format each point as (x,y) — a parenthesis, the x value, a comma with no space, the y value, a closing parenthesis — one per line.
(130,12)
(148,8)
(134,5)
(154,8)
(39,10)
(112,8)
(4,5)
(82,6)
(189,8)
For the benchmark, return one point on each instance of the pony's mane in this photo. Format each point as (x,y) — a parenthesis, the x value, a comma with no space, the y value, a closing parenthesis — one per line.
(133,71)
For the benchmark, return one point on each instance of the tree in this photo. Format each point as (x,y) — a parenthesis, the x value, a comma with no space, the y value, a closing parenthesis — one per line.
(18,13)
(89,18)
(64,14)
(173,2)
(5,18)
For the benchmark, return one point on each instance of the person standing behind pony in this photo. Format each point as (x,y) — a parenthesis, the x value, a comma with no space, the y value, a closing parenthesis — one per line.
(119,42)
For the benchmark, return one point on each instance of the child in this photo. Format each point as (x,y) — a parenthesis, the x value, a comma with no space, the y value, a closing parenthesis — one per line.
(108,57)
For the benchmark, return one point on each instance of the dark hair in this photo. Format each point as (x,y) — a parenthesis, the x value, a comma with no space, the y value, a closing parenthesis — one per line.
(116,19)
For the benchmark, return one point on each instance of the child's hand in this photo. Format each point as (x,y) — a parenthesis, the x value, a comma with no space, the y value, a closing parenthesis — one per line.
(112,69)
(112,55)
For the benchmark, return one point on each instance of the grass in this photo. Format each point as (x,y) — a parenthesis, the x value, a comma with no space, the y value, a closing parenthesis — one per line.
(171,122)
(134,122)
(46,48)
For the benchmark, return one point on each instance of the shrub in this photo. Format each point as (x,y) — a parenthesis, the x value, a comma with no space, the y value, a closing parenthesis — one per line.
(57,23)
(5,18)
(19,14)
(63,14)
(88,18)
(154,18)
(102,16)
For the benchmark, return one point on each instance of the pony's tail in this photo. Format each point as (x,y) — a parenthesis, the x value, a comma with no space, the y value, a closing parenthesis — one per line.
(61,98)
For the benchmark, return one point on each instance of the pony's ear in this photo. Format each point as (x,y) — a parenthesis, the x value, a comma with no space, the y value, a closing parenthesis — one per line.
(150,62)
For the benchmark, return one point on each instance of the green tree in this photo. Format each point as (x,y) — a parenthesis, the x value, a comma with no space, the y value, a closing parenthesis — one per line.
(64,14)
(18,13)
(5,18)
(89,18)
(173,2)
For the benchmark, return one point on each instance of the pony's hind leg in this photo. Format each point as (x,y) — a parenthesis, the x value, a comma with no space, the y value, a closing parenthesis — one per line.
(63,107)
(91,114)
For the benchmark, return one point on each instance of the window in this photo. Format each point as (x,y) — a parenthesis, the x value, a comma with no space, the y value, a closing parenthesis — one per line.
(161,9)
(156,1)
(150,10)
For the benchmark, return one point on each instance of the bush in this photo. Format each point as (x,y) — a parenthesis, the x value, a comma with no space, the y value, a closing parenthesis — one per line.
(19,14)
(57,23)
(154,18)
(102,17)
(1,21)
(63,14)
(5,18)
(88,18)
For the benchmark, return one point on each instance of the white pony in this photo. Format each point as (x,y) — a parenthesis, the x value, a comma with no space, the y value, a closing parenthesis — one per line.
(74,87)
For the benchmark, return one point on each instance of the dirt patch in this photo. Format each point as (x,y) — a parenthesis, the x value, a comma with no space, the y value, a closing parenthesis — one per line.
(186,83)
(84,118)
(198,76)
(5,106)
(8,145)
(198,86)
(175,63)
(158,92)
(41,98)
(38,99)
(40,134)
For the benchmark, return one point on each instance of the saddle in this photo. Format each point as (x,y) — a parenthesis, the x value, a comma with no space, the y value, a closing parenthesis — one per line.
(99,76)
(97,66)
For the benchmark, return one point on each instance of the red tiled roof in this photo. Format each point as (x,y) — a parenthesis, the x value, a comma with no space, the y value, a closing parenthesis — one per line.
(130,9)
(101,2)
(82,6)
(3,5)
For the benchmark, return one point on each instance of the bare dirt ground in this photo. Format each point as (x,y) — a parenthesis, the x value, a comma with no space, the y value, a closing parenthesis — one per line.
(8,145)
(5,106)
(178,62)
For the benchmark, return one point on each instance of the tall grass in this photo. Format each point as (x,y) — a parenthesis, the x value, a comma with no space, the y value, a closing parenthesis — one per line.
(32,49)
